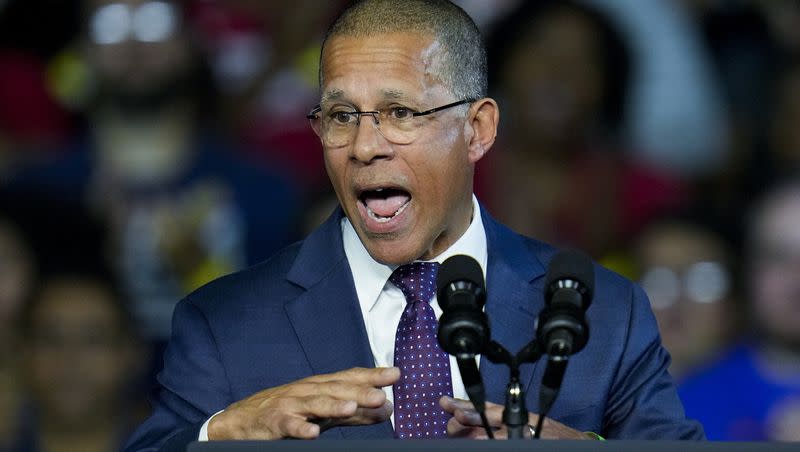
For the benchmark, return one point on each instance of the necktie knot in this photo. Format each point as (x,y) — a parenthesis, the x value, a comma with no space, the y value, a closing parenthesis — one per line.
(416,280)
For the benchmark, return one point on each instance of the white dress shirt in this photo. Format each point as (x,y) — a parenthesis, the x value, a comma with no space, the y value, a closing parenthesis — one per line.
(382,303)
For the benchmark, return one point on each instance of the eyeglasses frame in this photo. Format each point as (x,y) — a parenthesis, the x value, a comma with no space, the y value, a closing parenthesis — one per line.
(313,114)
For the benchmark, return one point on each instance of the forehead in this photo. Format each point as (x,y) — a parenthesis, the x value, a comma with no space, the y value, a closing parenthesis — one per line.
(677,245)
(387,64)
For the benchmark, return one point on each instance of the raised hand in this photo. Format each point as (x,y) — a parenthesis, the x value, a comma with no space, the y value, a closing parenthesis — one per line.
(466,423)
(305,408)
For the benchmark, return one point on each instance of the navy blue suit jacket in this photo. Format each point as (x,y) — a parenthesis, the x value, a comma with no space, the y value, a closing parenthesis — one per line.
(297,314)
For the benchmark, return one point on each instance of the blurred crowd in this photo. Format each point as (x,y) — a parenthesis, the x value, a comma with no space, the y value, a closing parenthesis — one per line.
(149,146)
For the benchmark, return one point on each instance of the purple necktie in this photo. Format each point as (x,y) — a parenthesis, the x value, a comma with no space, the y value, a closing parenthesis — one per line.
(424,367)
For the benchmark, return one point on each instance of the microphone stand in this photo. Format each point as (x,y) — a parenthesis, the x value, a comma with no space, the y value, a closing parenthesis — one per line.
(515,413)
(474,386)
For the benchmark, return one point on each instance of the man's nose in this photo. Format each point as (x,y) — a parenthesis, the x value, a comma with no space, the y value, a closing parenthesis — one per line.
(368,143)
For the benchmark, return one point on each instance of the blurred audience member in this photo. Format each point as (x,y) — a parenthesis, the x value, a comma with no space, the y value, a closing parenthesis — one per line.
(32,122)
(17,269)
(676,117)
(80,362)
(783,133)
(753,391)
(16,280)
(561,72)
(784,19)
(37,236)
(744,52)
(686,272)
(485,13)
(767,149)
(745,56)
(183,208)
(264,57)
(40,235)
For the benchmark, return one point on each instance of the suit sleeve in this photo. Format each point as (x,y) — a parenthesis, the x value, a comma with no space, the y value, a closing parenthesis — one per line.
(643,402)
(191,387)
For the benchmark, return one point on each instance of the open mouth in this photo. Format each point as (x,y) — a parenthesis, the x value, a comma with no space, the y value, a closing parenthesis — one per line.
(383,204)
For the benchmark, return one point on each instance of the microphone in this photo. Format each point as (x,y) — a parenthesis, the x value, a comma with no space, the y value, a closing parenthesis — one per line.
(562,329)
(464,327)
(569,287)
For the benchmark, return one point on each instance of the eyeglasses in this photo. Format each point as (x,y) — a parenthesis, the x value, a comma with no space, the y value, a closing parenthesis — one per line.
(400,125)
(700,282)
(151,21)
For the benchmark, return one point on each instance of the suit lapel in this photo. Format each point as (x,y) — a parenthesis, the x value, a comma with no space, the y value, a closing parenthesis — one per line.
(328,323)
(514,285)
(327,317)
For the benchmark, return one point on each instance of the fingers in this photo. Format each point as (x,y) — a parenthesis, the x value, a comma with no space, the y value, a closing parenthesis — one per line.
(322,407)
(273,418)
(368,415)
(451,404)
(304,408)
(464,412)
(377,377)
(466,422)
(358,384)
(364,396)
(457,429)
(494,413)
(297,427)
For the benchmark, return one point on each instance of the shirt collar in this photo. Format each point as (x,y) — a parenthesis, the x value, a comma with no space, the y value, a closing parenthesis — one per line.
(370,276)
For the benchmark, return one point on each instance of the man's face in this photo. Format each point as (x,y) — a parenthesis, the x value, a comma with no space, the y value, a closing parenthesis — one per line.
(77,358)
(408,201)
(137,47)
(685,276)
(774,281)
(554,76)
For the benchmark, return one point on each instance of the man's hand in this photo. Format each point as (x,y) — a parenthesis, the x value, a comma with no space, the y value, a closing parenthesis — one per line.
(302,409)
(466,422)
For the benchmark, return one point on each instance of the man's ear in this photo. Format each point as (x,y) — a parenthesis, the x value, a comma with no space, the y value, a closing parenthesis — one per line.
(484,116)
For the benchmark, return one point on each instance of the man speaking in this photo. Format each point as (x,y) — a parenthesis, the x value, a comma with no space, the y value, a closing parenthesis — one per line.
(334,337)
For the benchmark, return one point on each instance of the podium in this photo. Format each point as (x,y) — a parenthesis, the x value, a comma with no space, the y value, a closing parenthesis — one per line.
(475,446)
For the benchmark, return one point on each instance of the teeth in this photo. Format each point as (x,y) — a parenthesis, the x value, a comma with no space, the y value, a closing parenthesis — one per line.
(377,218)
(380,219)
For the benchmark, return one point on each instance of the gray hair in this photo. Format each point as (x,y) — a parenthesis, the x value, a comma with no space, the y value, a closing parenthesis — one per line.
(463,66)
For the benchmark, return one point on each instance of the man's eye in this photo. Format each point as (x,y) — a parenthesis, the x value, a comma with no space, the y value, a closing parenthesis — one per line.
(400,113)
(342,117)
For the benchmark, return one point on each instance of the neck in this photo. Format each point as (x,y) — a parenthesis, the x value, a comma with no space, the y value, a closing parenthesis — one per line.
(448,238)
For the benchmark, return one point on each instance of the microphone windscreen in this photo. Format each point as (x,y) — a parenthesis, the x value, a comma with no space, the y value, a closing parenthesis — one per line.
(574,265)
(459,268)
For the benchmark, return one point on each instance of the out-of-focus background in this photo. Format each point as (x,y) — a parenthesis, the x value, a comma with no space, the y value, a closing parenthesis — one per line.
(147,147)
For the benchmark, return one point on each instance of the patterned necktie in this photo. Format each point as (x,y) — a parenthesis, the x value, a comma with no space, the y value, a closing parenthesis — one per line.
(424,367)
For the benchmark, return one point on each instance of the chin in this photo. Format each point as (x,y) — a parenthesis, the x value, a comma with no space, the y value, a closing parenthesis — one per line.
(391,252)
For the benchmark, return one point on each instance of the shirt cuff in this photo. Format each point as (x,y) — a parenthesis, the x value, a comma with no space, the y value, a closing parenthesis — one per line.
(203,436)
